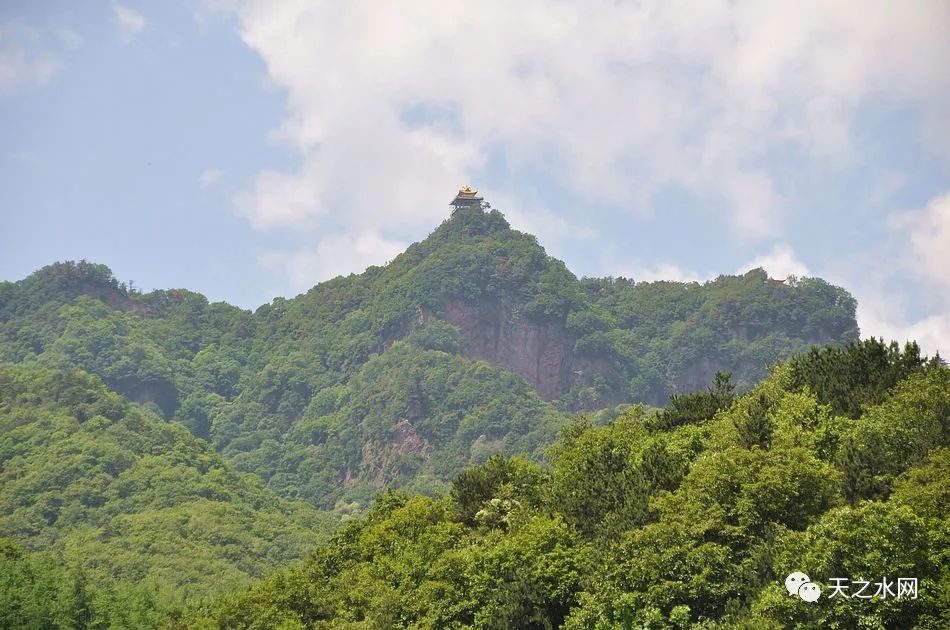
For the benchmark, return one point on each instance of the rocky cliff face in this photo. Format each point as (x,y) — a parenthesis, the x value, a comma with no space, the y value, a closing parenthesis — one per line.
(542,353)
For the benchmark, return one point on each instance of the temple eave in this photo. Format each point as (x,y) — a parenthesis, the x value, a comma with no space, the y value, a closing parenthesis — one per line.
(466,201)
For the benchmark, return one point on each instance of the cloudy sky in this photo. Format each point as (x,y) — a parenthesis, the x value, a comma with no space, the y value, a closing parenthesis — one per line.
(250,149)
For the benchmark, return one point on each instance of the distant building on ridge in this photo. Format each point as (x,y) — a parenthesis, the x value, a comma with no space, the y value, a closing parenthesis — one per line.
(467,197)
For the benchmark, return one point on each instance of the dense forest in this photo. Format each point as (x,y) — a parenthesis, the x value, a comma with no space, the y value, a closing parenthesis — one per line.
(129,504)
(470,343)
(469,436)
(837,464)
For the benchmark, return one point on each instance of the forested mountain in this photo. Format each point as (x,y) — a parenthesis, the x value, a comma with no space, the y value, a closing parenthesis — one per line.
(127,503)
(471,342)
(480,430)
(836,465)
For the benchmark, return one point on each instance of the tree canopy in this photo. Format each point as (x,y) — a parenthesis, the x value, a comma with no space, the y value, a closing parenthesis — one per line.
(468,436)
(634,526)
(382,379)
(120,497)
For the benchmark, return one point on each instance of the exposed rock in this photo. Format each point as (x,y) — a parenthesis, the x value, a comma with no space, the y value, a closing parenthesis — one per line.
(406,439)
(349,479)
(542,353)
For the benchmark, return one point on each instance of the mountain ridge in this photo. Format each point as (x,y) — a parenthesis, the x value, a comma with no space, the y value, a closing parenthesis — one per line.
(472,341)
(494,304)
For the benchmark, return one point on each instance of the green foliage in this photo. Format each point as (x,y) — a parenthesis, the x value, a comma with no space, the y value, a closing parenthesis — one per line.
(672,337)
(640,527)
(697,407)
(869,542)
(363,382)
(408,415)
(895,435)
(683,517)
(127,498)
(498,476)
(857,375)
(926,489)
(409,562)
(101,341)
(602,480)
(37,591)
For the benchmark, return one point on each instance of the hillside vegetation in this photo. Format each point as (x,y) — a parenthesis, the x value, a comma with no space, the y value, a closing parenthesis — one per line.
(468,436)
(470,343)
(126,505)
(837,464)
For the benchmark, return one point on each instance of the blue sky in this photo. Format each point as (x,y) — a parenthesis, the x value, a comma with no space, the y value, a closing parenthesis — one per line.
(250,149)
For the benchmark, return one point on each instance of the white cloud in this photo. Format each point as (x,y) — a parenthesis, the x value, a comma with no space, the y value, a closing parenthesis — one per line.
(210,177)
(613,101)
(903,288)
(17,69)
(552,230)
(754,203)
(24,60)
(131,22)
(662,271)
(334,255)
(932,333)
(928,234)
(780,263)
(884,311)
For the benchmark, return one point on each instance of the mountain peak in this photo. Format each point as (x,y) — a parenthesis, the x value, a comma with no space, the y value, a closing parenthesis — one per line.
(62,281)
(476,221)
